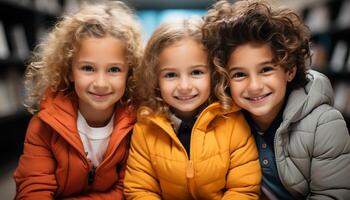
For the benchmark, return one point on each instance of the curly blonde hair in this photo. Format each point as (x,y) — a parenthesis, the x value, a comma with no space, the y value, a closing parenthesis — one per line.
(228,26)
(147,75)
(50,64)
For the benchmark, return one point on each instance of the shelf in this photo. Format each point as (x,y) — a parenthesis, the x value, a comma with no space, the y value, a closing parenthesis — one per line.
(332,46)
(336,33)
(13,8)
(338,76)
(17,116)
(7,64)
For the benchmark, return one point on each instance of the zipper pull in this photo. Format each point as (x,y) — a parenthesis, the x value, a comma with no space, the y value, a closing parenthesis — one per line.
(91,175)
(190,170)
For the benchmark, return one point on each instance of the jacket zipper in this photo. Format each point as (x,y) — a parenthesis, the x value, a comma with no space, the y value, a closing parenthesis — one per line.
(190,169)
(91,175)
(92,168)
(189,176)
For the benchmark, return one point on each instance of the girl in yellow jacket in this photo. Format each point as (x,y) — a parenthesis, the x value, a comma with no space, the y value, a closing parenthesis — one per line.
(190,141)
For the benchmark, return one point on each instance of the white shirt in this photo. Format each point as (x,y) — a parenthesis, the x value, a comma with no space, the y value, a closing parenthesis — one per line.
(95,140)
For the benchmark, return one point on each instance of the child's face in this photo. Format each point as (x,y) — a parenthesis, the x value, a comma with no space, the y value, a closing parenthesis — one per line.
(99,73)
(256,84)
(184,78)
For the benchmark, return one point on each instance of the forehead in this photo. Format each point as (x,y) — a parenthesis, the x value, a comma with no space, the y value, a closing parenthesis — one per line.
(107,46)
(183,52)
(251,53)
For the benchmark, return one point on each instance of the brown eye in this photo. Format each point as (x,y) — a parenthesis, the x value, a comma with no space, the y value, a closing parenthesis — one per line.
(196,72)
(266,69)
(87,68)
(115,69)
(170,75)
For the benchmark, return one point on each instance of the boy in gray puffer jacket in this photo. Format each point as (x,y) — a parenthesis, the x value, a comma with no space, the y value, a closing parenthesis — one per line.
(303,142)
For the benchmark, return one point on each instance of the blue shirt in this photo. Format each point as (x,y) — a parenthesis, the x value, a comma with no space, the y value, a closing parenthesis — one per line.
(265,145)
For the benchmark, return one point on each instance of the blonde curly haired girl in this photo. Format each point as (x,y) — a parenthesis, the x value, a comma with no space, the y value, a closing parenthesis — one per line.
(190,143)
(80,90)
(51,61)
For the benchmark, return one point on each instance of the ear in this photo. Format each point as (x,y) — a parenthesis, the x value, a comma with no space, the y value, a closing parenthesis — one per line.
(291,73)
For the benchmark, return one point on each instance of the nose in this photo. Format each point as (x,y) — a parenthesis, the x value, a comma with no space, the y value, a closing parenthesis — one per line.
(185,84)
(100,81)
(255,84)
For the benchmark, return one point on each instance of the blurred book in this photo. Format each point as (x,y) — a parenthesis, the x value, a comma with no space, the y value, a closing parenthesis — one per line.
(318,19)
(319,59)
(4,48)
(343,19)
(15,87)
(347,65)
(341,96)
(338,56)
(71,6)
(11,93)
(19,42)
(51,6)
(23,2)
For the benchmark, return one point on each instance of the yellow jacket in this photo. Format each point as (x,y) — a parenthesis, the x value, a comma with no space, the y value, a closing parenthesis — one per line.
(223,160)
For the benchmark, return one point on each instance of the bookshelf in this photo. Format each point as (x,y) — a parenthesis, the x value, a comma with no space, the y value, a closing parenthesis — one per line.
(329,22)
(22,24)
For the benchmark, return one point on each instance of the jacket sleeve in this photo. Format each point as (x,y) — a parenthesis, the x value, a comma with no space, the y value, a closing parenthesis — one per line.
(140,179)
(244,175)
(35,173)
(330,164)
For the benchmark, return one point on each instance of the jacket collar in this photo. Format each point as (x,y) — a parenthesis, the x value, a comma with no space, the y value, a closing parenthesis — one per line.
(59,110)
(203,122)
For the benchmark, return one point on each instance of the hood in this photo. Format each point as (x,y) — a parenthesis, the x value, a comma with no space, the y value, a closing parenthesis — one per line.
(302,101)
(59,111)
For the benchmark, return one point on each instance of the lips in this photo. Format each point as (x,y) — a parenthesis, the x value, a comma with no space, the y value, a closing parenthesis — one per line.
(99,95)
(185,98)
(258,99)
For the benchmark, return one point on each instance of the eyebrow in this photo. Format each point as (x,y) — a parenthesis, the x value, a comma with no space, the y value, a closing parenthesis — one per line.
(162,68)
(259,64)
(92,63)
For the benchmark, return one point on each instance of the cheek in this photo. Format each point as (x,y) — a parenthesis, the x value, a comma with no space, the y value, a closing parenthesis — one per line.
(233,89)
(163,88)
(120,81)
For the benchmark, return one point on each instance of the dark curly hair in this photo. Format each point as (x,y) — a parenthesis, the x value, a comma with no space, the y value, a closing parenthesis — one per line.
(227,26)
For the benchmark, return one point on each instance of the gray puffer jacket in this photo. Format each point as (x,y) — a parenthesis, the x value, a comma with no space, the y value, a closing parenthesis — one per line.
(312,144)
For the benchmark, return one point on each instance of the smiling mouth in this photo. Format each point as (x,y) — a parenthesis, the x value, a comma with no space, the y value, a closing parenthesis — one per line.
(185,98)
(258,99)
(99,95)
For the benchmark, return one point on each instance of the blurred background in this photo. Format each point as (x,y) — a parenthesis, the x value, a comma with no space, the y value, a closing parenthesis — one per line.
(24,22)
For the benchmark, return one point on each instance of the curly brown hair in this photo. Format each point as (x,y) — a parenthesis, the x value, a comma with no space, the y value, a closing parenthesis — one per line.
(147,75)
(50,64)
(227,26)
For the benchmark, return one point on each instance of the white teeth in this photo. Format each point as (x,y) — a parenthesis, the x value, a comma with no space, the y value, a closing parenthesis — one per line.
(258,98)
(184,97)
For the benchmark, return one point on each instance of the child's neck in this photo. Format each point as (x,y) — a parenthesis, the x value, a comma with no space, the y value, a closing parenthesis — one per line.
(97,119)
(263,124)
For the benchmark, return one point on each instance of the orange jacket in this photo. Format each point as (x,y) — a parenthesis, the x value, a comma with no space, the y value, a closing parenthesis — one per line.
(54,165)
